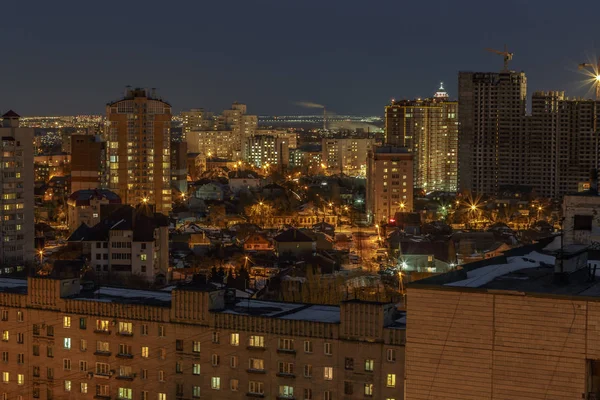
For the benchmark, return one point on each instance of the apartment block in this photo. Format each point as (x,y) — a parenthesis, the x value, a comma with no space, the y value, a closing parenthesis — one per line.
(16,210)
(520,326)
(130,242)
(389,183)
(492,149)
(562,142)
(62,342)
(88,162)
(429,129)
(139,149)
(265,151)
(48,166)
(346,155)
(291,137)
(196,119)
(225,144)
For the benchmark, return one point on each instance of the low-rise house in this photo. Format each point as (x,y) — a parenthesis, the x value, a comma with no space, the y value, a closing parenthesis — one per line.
(244,181)
(210,191)
(294,242)
(257,242)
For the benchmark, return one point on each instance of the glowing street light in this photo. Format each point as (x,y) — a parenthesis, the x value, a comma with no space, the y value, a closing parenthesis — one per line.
(145,200)
(402,205)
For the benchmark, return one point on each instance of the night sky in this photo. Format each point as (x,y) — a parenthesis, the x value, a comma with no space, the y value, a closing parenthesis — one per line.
(71,57)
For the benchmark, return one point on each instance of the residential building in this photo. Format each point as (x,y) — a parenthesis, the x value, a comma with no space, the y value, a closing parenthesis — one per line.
(257,242)
(179,170)
(215,163)
(492,149)
(17,234)
(222,143)
(88,162)
(389,183)
(193,342)
(291,137)
(244,181)
(346,155)
(307,158)
(210,191)
(50,165)
(196,119)
(84,206)
(294,242)
(521,326)
(581,225)
(266,151)
(562,143)
(129,242)
(139,149)
(429,129)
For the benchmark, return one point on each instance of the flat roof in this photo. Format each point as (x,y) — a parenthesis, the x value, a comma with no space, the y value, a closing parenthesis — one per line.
(292,311)
(531,272)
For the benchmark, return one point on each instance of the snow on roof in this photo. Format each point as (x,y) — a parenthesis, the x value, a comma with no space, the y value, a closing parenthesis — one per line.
(133,294)
(9,283)
(481,276)
(317,313)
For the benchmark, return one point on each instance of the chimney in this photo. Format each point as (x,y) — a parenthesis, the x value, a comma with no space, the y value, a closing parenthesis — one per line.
(594,181)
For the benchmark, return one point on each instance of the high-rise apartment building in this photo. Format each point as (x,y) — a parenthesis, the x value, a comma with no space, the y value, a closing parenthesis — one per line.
(562,143)
(492,146)
(179,166)
(346,155)
(88,162)
(139,149)
(264,151)
(389,182)
(16,209)
(429,129)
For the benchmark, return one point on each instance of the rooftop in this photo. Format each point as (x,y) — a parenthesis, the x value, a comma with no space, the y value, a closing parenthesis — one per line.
(523,272)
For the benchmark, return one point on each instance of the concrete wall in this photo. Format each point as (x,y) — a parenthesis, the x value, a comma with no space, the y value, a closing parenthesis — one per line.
(467,345)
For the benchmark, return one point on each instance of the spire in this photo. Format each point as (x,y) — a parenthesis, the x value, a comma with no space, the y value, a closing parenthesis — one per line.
(441,93)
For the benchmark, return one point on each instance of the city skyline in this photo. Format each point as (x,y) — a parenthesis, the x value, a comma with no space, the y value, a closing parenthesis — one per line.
(328,54)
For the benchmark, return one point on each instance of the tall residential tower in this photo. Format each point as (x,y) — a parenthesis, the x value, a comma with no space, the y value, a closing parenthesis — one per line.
(16,209)
(492,145)
(429,129)
(139,149)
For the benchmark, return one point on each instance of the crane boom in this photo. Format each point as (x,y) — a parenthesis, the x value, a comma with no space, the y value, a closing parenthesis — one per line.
(507,55)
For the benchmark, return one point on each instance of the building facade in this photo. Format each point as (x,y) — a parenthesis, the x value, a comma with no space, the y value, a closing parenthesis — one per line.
(389,183)
(139,149)
(429,128)
(61,343)
(492,149)
(517,328)
(224,144)
(347,155)
(17,235)
(266,151)
(88,162)
(179,167)
(48,166)
(84,206)
(563,143)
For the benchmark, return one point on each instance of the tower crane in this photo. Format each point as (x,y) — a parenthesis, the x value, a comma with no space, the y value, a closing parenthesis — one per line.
(507,56)
(595,68)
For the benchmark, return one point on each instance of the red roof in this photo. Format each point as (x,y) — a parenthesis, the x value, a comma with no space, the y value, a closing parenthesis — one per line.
(11,114)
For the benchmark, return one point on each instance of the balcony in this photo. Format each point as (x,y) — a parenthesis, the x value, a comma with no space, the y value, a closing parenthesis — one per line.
(285,375)
(256,371)
(125,377)
(286,351)
(102,353)
(255,395)
(102,331)
(102,375)
(124,355)
(260,348)
(125,333)
(103,396)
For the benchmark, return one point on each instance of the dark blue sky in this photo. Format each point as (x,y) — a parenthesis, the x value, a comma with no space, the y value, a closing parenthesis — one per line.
(66,57)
